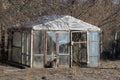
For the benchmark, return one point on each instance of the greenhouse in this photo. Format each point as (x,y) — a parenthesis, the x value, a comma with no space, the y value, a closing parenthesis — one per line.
(54,41)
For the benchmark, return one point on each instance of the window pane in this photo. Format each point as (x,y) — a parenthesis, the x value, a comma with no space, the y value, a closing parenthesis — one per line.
(24,43)
(51,43)
(16,54)
(94,49)
(51,47)
(38,61)
(94,36)
(93,60)
(17,39)
(28,43)
(64,43)
(64,60)
(38,42)
(25,55)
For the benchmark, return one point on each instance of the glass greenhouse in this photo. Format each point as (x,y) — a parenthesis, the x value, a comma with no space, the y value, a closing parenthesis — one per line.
(54,41)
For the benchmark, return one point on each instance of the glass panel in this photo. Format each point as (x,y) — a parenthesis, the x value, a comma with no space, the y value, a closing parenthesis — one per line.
(64,60)
(94,36)
(51,43)
(51,47)
(17,39)
(16,49)
(64,43)
(38,48)
(93,60)
(24,43)
(26,59)
(26,47)
(16,54)
(28,43)
(79,36)
(64,49)
(38,42)
(38,61)
(9,45)
(94,49)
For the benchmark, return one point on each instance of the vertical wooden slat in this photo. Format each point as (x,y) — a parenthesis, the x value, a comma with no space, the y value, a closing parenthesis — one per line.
(31,56)
(88,47)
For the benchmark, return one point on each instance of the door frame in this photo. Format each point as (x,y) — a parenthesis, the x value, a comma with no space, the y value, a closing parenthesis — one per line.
(87,42)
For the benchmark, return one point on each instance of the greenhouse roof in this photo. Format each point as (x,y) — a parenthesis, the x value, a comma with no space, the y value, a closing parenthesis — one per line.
(58,22)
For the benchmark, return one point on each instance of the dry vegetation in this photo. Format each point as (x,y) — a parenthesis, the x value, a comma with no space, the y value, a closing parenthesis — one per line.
(102,13)
(109,70)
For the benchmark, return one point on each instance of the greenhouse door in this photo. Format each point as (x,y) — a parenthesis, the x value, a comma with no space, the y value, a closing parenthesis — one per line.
(79,47)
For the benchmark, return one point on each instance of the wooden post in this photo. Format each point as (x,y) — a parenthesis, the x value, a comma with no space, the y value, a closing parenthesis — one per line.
(31,55)
(88,47)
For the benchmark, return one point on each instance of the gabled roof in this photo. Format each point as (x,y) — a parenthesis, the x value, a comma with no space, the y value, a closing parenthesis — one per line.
(59,22)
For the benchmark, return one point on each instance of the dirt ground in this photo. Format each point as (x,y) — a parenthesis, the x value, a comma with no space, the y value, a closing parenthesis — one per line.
(108,70)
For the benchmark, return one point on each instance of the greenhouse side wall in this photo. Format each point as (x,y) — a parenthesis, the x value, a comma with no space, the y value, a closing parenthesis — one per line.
(19,48)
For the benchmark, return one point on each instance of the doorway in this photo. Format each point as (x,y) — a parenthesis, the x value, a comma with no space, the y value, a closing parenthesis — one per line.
(79,48)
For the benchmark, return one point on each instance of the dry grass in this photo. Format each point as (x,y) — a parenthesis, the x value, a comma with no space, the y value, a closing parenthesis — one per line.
(108,70)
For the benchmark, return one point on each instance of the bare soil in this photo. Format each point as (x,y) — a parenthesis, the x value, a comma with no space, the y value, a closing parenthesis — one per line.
(108,70)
